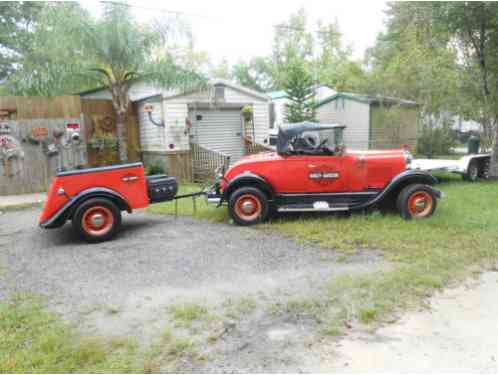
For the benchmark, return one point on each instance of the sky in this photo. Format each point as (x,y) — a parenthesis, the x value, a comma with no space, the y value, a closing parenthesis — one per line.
(241,29)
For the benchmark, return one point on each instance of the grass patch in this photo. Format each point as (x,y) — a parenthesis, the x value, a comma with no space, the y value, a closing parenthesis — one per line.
(166,353)
(33,340)
(186,208)
(429,254)
(185,314)
(20,206)
(237,308)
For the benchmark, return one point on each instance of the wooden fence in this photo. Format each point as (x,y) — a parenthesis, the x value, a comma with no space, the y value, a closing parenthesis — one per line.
(30,153)
(205,162)
(100,121)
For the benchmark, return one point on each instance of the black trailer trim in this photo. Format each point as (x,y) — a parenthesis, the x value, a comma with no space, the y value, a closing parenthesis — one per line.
(98,169)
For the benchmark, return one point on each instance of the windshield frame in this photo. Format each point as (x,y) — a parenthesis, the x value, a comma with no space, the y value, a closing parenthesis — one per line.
(288,133)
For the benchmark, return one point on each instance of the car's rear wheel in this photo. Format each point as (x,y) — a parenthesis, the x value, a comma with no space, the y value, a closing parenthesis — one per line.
(97,220)
(416,201)
(248,206)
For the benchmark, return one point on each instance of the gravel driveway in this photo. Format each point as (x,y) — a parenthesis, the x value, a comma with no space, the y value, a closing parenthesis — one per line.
(156,261)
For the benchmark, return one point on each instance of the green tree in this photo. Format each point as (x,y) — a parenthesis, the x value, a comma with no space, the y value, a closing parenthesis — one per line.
(411,61)
(257,74)
(17,22)
(299,87)
(474,28)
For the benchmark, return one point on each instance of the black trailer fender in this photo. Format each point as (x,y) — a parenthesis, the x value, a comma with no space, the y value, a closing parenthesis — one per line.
(66,211)
(405,178)
(248,179)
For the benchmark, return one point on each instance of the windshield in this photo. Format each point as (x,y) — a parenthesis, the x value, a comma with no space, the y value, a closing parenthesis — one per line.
(317,142)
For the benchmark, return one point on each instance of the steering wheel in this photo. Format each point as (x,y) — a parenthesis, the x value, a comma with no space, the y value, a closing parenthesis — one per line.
(310,141)
(322,143)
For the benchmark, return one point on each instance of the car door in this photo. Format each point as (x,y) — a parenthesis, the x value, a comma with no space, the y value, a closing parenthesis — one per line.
(289,174)
(327,174)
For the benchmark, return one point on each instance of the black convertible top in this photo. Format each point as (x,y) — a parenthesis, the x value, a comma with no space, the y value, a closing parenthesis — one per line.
(288,131)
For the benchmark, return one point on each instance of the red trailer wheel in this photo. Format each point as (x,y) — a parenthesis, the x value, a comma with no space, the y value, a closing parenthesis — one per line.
(97,219)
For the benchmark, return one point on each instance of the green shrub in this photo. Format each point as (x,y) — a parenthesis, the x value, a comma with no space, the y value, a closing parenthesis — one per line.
(155,168)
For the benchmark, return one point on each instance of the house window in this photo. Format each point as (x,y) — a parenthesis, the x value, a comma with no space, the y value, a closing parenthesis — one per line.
(219,93)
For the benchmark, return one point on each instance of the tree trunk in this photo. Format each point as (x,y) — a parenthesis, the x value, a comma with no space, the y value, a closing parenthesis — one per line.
(121,133)
(120,102)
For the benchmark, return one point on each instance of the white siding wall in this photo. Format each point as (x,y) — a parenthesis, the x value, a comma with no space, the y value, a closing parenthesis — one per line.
(280,111)
(152,138)
(355,115)
(174,111)
(261,112)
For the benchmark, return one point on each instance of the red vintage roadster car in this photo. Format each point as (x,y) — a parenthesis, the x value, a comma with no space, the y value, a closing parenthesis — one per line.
(311,170)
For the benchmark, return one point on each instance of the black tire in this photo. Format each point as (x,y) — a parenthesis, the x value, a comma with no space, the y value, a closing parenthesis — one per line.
(409,198)
(85,224)
(484,171)
(256,213)
(472,173)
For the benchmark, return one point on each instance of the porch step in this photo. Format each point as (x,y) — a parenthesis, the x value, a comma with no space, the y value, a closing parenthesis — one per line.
(316,207)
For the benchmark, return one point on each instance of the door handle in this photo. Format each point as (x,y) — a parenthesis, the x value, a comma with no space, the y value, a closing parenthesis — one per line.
(311,166)
(129,178)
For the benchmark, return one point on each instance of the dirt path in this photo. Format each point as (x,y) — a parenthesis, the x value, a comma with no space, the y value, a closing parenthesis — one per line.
(457,334)
(126,287)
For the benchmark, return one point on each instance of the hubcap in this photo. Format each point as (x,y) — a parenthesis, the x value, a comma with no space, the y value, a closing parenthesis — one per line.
(248,207)
(420,204)
(97,220)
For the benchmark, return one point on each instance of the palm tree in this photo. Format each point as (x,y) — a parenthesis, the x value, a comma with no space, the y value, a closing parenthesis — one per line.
(121,51)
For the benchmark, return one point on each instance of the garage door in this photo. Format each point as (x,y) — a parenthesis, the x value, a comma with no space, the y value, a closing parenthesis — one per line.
(219,130)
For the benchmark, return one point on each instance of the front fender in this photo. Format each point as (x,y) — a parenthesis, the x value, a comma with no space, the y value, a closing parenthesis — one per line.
(65,212)
(403,179)
(247,179)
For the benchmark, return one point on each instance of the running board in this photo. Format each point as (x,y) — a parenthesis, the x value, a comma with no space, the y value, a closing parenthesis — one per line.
(315,207)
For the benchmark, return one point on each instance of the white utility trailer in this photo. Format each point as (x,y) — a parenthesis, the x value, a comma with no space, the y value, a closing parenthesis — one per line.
(470,167)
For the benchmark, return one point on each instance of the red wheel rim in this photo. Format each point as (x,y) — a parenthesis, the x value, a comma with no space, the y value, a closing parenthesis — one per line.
(420,204)
(248,207)
(97,220)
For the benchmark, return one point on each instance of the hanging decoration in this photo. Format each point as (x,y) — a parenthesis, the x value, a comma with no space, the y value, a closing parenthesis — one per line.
(11,152)
(149,108)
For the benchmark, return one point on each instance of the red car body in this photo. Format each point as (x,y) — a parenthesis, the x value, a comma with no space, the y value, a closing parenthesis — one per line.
(354,171)
(317,173)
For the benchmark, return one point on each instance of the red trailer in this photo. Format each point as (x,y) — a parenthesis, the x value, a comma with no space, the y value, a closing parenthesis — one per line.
(94,198)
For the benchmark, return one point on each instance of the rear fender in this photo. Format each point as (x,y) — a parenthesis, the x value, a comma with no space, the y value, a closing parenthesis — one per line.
(248,179)
(66,211)
(405,178)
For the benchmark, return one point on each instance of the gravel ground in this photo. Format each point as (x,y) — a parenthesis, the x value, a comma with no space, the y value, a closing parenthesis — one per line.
(457,334)
(156,261)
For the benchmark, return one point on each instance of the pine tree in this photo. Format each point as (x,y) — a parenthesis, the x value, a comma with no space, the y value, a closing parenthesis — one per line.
(300,92)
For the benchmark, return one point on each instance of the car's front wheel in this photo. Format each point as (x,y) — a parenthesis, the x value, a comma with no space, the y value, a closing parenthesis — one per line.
(248,206)
(96,220)
(416,201)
